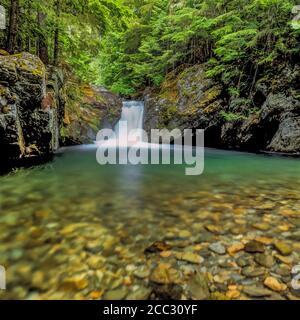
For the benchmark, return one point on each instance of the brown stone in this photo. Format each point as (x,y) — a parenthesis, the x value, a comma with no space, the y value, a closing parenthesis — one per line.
(233,249)
(213,228)
(274,284)
(233,294)
(189,257)
(157,246)
(254,247)
(283,248)
(165,274)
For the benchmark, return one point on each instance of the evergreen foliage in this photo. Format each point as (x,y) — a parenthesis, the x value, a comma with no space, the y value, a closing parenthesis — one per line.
(238,39)
(127,45)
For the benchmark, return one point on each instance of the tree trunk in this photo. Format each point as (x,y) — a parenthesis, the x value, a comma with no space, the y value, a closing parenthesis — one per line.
(28,26)
(56,47)
(13,26)
(56,35)
(42,41)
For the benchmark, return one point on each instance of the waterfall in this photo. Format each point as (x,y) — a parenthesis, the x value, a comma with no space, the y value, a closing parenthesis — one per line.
(133,114)
(129,130)
(133,117)
(129,143)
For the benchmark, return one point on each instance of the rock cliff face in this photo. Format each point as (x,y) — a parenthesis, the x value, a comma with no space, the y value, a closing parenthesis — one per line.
(88,108)
(38,111)
(268,121)
(30,114)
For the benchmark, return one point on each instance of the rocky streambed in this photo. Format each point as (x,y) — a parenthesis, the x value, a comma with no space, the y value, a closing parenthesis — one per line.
(76,230)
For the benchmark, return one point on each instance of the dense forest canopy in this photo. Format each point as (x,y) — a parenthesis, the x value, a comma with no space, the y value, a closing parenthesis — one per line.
(127,45)
(62,31)
(237,38)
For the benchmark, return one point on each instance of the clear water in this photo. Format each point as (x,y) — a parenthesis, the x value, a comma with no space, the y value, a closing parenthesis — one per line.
(51,214)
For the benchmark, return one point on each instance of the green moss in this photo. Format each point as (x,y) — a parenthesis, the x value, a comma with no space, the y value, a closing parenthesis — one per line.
(168,113)
(229,116)
(84,110)
(213,93)
(169,90)
(29,63)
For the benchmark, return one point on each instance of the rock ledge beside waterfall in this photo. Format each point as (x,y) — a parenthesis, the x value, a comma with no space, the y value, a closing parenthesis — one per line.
(30,115)
(269,120)
(40,110)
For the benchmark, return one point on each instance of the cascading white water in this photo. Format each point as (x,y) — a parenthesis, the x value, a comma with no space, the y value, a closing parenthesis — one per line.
(133,116)
(128,131)
(129,143)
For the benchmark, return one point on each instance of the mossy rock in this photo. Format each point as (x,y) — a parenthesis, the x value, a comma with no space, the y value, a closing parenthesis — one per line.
(3,53)
(86,109)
